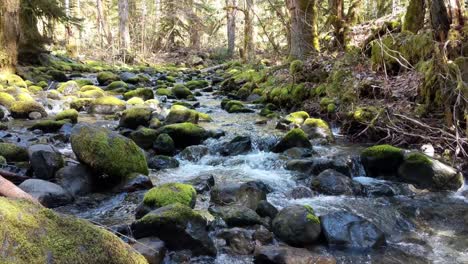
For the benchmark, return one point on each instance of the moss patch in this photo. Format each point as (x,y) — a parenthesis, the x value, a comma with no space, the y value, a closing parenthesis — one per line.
(70,114)
(171,193)
(12,152)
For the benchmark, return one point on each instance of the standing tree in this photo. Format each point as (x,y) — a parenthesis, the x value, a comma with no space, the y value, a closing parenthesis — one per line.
(123,25)
(304,36)
(231,12)
(414,17)
(440,20)
(9,34)
(249,42)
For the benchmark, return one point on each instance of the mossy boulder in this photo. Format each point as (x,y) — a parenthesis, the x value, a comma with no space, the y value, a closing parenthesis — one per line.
(14,80)
(24,97)
(181,92)
(144,93)
(135,117)
(90,88)
(107,152)
(6,99)
(297,225)
(81,103)
(197,84)
(117,85)
(167,194)
(425,172)
(49,126)
(68,88)
(34,234)
(91,94)
(181,114)
(22,109)
(164,145)
(106,105)
(105,78)
(70,114)
(144,137)
(35,89)
(184,134)
(13,153)
(317,128)
(233,106)
(135,101)
(179,227)
(164,92)
(83,82)
(294,138)
(381,160)
(297,118)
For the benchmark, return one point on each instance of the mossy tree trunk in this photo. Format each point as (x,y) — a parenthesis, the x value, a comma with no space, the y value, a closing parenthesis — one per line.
(414,17)
(338,22)
(249,42)
(9,34)
(303,33)
(231,12)
(440,20)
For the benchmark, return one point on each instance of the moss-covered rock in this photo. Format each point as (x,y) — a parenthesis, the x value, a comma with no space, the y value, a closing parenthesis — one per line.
(297,118)
(233,106)
(144,93)
(181,114)
(181,92)
(68,88)
(87,88)
(116,85)
(135,117)
(34,234)
(6,99)
(428,173)
(14,80)
(171,193)
(144,137)
(105,78)
(107,152)
(81,103)
(197,84)
(13,153)
(35,89)
(184,134)
(22,109)
(294,138)
(163,92)
(135,101)
(91,94)
(317,128)
(70,114)
(83,82)
(106,105)
(49,126)
(24,97)
(57,75)
(381,160)
(164,145)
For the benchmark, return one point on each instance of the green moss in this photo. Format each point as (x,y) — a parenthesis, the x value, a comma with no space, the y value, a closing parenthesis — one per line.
(418,158)
(49,126)
(12,152)
(109,100)
(24,97)
(134,117)
(81,104)
(42,84)
(382,152)
(184,134)
(3,161)
(197,84)
(297,117)
(365,114)
(83,82)
(181,92)
(163,92)
(171,193)
(70,114)
(91,94)
(34,234)
(177,214)
(21,109)
(87,88)
(311,214)
(6,99)
(34,89)
(69,87)
(144,93)
(135,101)
(12,80)
(295,67)
(116,84)
(107,77)
(414,17)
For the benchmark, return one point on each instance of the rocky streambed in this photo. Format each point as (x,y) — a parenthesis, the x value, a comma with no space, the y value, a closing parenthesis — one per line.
(185,175)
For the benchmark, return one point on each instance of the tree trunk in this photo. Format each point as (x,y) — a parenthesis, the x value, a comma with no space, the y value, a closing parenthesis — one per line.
(123,25)
(456,12)
(231,12)
(440,20)
(194,22)
(338,21)
(102,24)
(9,35)
(249,44)
(304,37)
(414,17)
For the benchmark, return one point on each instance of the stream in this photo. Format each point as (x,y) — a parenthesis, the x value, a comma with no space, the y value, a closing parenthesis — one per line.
(420,226)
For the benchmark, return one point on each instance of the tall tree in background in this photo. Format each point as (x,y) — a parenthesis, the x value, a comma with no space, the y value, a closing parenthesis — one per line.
(249,41)
(231,12)
(194,25)
(414,17)
(9,34)
(440,20)
(304,37)
(103,26)
(124,32)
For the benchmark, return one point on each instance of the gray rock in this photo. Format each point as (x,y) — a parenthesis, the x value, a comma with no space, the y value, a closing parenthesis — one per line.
(202,183)
(45,161)
(301,192)
(161,162)
(239,145)
(76,179)
(238,241)
(347,230)
(152,248)
(135,182)
(289,255)
(194,153)
(266,209)
(248,194)
(47,193)
(333,183)
(297,225)
(237,215)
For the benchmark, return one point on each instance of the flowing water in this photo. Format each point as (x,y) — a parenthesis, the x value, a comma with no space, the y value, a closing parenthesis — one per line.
(421,227)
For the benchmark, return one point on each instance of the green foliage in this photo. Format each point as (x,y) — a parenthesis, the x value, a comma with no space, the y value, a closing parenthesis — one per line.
(295,67)
(383,152)
(171,193)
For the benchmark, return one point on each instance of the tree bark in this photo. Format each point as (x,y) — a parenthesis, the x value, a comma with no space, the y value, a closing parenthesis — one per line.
(9,34)
(456,12)
(414,17)
(9,190)
(231,12)
(123,25)
(102,24)
(440,20)
(304,37)
(249,42)
(195,23)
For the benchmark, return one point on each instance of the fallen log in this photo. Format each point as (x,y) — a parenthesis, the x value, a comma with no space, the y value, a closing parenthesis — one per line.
(13,177)
(9,190)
